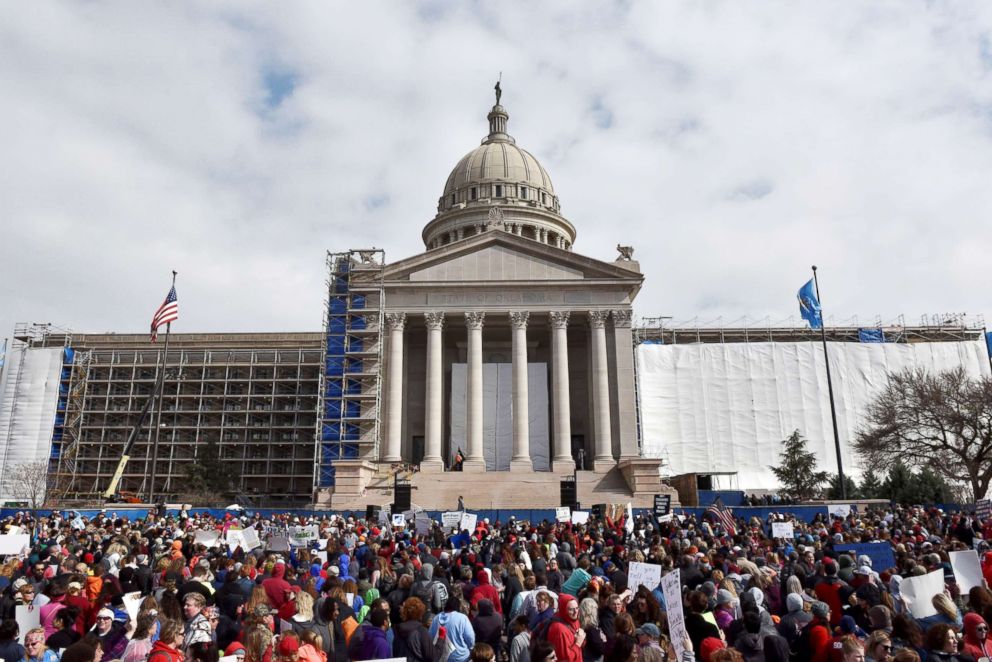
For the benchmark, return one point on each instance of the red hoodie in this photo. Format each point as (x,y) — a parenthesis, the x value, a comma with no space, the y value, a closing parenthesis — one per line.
(977,647)
(485,591)
(561,634)
(276,587)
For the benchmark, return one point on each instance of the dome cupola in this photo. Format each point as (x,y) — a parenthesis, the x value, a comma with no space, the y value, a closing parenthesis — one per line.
(499,186)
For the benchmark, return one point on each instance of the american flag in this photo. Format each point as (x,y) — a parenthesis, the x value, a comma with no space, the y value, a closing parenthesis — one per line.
(167,312)
(723,516)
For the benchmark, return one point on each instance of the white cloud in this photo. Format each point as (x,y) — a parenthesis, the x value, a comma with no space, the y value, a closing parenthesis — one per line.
(734,144)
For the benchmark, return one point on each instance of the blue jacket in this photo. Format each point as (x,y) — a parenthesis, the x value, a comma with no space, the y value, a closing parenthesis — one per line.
(459,631)
(375,646)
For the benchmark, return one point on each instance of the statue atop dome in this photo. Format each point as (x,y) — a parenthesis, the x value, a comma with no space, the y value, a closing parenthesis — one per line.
(499,90)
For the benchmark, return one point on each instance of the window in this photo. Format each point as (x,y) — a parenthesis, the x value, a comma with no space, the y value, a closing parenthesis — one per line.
(499,190)
(523,192)
(452,199)
(544,198)
(475,193)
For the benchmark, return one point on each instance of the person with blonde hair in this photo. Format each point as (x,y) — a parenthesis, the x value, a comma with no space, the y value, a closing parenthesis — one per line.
(35,649)
(878,648)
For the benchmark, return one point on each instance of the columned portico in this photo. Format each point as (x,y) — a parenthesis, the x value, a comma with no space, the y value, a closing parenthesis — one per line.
(474,460)
(434,405)
(395,322)
(562,430)
(521,420)
(603,458)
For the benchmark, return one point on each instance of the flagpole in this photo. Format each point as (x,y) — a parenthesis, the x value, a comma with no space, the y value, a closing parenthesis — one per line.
(830,391)
(158,404)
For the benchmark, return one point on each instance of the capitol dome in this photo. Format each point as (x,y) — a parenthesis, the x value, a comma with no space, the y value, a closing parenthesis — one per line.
(499,186)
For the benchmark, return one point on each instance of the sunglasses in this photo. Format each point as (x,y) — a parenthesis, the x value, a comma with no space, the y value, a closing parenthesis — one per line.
(104,618)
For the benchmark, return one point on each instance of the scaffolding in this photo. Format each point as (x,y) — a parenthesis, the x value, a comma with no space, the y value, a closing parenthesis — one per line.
(351,379)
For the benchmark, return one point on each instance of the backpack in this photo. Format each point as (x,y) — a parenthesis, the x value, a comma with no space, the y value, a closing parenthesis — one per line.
(802,649)
(439,597)
(423,592)
(540,633)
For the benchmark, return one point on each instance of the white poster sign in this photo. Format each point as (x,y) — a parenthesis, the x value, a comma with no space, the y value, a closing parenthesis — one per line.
(841,510)
(451,519)
(643,574)
(671,588)
(322,555)
(14,544)
(783,530)
(28,616)
(580,517)
(967,569)
(132,603)
(279,544)
(629,524)
(208,538)
(918,592)
(303,536)
(563,514)
(234,539)
(399,520)
(422,524)
(468,522)
(249,539)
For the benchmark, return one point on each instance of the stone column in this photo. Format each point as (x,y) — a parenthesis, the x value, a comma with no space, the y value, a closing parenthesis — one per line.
(626,393)
(434,406)
(395,322)
(603,457)
(521,415)
(563,461)
(474,460)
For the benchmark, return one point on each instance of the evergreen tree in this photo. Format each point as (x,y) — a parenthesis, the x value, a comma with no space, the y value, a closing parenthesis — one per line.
(871,485)
(208,474)
(905,487)
(797,472)
(833,488)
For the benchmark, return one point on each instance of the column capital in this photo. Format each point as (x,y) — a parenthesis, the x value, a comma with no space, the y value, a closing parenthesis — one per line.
(559,318)
(474,319)
(621,318)
(434,319)
(518,318)
(395,321)
(597,318)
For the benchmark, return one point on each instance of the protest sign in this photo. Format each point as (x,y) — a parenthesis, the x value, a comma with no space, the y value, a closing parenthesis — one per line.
(580,517)
(399,520)
(451,519)
(671,588)
(983,508)
(249,539)
(967,569)
(662,505)
(27,616)
(132,603)
(839,510)
(278,544)
(917,593)
(303,536)
(782,530)
(629,524)
(468,522)
(563,514)
(880,553)
(322,555)
(643,574)
(422,524)
(234,539)
(14,544)
(208,538)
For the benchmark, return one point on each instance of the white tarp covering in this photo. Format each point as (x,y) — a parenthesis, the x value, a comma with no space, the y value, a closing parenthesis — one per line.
(719,407)
(29,391)
(497,414)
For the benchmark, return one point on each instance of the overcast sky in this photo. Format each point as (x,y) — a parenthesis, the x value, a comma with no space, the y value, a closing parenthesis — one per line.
(732,144)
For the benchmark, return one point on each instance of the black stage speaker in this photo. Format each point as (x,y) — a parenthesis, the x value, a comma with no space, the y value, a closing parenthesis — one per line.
(371,513)
(401,498)
(569,497)
(704,482)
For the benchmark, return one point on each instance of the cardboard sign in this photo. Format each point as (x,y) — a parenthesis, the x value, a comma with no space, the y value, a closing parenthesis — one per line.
(917,593)
(422,524)
(671,588)
(451,520)
(967,569)
(643,574)
(303,536)
(468,522)
(14,544)
(580,517)
(208,538)
(399,520)
(783,530)
(880,553)
(563,514)
(28,616)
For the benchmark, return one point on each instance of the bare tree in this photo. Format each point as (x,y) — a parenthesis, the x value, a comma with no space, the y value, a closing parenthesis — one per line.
(28,481)
(939,421)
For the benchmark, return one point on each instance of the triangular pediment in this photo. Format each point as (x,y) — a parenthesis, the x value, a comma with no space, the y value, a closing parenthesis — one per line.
(501,256)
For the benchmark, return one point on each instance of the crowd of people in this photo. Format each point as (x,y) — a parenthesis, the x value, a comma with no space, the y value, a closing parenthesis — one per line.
(109,588)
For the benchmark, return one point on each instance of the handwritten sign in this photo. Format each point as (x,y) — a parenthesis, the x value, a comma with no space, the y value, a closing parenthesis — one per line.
(399,520)
(563,514)
(783,530)
(132,603)
(422,524)
(671,588)
(629,524)
(206,538)
(249,539)
(643,574)
(303,536)
(468,522)
(839,510)
(451,520)
(14,544)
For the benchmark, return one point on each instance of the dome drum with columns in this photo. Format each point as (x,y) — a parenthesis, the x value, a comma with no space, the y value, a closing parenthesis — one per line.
(499,176)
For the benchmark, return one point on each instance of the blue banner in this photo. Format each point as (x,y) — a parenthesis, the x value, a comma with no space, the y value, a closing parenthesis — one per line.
(871,335)
(880,553)
(809,305)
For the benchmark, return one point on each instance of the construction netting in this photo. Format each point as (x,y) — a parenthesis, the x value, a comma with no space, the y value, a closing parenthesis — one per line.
(726,407)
